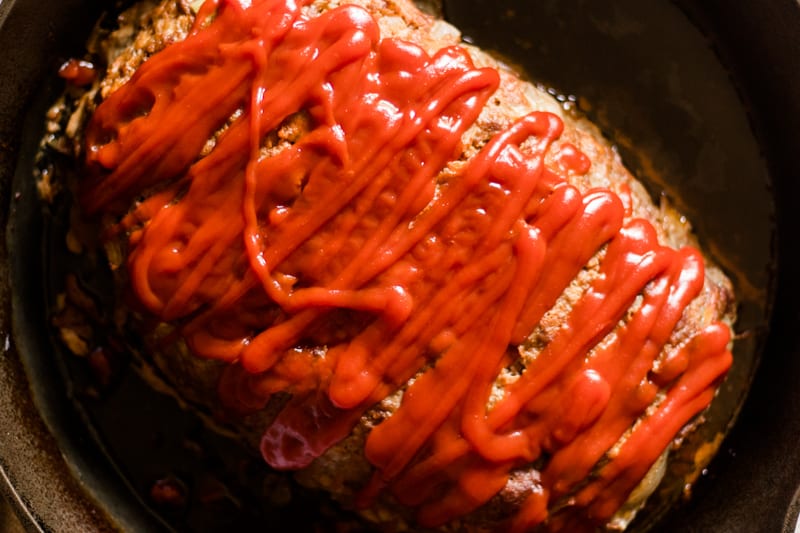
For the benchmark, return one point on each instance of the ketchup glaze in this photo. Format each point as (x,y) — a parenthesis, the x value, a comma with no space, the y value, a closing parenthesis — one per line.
(334,242)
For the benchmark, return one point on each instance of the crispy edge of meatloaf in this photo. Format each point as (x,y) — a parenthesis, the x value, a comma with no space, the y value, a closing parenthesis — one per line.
(149,26)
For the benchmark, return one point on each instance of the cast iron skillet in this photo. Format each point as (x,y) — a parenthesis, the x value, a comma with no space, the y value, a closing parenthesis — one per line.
(702,103)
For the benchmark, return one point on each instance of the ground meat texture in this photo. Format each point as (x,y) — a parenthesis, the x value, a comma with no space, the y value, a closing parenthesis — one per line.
(344,469)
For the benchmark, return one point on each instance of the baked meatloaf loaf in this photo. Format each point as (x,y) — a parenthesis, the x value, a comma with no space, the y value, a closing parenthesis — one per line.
(405,273)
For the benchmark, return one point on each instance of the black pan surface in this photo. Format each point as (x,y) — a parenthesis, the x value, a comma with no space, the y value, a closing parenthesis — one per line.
(701,102)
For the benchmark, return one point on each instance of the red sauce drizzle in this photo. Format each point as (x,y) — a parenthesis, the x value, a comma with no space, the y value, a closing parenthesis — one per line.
(351,237)
(78,73)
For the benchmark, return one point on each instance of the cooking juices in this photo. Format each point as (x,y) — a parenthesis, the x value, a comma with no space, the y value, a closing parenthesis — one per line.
(296,201)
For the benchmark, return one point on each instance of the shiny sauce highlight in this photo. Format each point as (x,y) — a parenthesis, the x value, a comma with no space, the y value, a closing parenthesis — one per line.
(333,242)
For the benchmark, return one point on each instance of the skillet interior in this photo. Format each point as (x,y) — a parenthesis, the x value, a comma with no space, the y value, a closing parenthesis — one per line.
(650,79)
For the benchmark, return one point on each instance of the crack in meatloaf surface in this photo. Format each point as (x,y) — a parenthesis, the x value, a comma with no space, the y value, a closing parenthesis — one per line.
(344,470)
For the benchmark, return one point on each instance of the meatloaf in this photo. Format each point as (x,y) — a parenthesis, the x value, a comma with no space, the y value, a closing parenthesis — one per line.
(401,270)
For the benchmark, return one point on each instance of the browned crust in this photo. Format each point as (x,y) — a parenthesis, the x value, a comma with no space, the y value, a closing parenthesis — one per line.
(343,469)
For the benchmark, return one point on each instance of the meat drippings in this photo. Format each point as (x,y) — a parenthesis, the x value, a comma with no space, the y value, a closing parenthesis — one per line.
(370,236)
